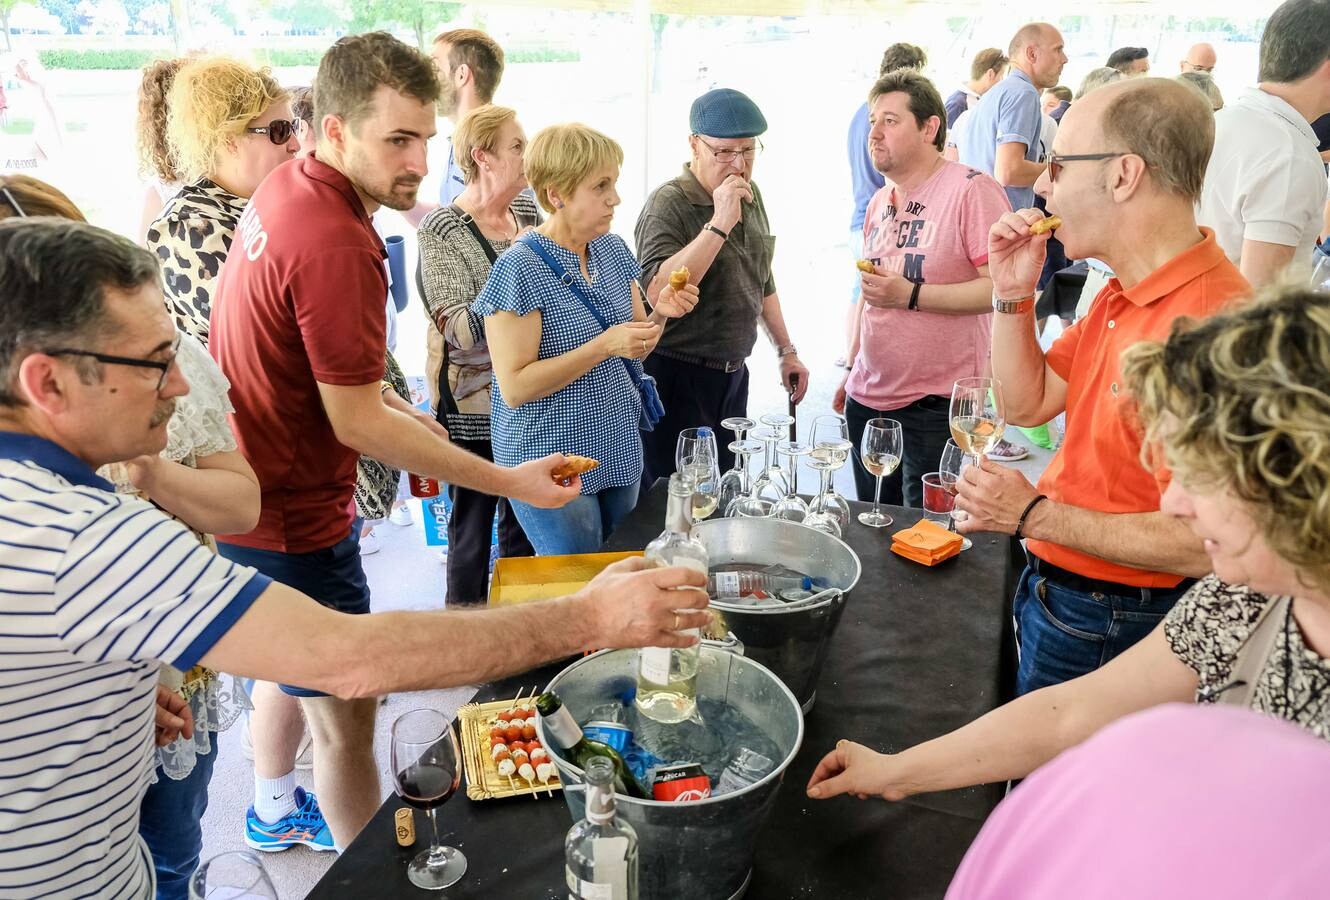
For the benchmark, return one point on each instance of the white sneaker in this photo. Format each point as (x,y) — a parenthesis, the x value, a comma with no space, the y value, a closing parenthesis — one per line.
(304,755)
(369,543)
(401,515)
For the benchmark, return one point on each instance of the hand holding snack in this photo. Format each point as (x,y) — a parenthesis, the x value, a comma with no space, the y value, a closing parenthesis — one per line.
(866,266)
(1045,224)
(571,467)
(679,277)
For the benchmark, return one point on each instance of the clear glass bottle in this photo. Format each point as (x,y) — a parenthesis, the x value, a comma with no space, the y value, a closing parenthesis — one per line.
(600,852)
(667,677)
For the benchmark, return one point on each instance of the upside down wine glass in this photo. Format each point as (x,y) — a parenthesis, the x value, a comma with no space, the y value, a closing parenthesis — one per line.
(792,507)
(880,454)
(745,502)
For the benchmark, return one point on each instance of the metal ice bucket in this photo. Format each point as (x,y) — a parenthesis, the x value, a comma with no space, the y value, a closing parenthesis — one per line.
(700,850)
(792,640)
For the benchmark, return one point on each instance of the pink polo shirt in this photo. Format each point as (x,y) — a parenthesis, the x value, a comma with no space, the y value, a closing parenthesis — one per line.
(937,234)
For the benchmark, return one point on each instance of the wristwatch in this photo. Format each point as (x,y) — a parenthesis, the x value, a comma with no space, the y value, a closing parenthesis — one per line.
(787,350)
(1017,306)
(714,230)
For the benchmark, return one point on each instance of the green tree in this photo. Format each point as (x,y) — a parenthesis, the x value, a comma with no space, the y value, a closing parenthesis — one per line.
(7,7)
(64,10)
(418,15)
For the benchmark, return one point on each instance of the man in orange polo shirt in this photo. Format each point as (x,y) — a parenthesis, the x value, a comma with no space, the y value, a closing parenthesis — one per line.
(1105,564)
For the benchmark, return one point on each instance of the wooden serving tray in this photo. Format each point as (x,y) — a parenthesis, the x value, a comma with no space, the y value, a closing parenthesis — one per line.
(483,781)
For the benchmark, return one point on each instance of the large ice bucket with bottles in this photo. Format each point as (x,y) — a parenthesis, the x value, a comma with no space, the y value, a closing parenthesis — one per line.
(790,639)
(702,849)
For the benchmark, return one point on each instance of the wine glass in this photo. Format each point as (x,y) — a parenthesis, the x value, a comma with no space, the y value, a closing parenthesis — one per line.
(694,443)
(772,482)
(739,425)
(792,507)
(940,502)
(734,483)
(949,467)
(830,437)
(978,415)
(237,875)
(749,504)
(427,769)
(880,453)
(702,470)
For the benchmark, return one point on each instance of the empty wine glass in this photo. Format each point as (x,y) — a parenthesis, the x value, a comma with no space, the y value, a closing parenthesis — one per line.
(739,425)
(693,443)
(427,769)
(770,483)
(978,415)
(792,507)
(735,483)
(236,875)
(949,468)
(880,454)
(749,505)
(702,471)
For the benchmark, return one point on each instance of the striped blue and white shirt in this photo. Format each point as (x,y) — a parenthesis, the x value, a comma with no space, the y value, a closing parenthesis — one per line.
(96,589)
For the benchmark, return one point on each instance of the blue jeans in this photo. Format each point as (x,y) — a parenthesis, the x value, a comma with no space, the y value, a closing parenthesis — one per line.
(581,526)
(1063,634)
(171,824)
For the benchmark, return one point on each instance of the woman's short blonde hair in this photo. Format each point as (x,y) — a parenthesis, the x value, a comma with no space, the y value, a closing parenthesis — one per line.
(478,130)
(1241,403)
(211,102)
(562,156)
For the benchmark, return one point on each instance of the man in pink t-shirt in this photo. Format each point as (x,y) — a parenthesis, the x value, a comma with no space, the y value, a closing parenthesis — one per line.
(927,317)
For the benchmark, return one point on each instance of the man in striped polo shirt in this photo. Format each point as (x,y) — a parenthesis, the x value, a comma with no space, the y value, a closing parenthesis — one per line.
(98,588)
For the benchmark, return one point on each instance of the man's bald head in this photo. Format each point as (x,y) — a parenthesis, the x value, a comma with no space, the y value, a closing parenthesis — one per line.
(1168,125)
(1200,58)
(1036,34)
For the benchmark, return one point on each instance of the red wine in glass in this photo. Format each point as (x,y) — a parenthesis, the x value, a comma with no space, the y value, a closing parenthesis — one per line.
(427,768)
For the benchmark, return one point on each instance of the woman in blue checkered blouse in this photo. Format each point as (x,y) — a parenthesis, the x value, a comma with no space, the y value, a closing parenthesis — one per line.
(562,379)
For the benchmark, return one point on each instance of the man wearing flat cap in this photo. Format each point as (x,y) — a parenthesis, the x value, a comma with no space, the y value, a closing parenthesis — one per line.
(711,219)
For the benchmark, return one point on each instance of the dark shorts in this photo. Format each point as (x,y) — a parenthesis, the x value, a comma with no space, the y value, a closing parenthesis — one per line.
(332,576)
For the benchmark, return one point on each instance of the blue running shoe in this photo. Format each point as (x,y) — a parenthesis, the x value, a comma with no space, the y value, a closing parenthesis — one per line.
(304,826)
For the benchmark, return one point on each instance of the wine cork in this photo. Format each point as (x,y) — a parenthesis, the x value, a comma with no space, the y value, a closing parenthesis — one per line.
(406,827)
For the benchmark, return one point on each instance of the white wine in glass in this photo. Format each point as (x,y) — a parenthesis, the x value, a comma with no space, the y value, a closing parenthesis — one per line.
(977,415)
(880,453)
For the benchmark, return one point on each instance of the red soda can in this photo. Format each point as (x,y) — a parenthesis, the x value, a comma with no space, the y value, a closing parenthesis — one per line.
(423,486)
(680,783)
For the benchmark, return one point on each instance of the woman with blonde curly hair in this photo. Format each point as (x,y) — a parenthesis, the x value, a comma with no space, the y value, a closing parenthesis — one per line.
(1240,408)
(227,126)
(155,162)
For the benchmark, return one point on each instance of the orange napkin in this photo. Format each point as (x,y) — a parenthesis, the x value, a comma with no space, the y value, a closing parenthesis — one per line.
(926,543)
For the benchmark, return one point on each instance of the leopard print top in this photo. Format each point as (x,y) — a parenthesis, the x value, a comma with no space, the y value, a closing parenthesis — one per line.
(1207,629)
(191,239)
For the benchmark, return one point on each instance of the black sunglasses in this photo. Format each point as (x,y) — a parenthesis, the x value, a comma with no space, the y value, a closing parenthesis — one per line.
(1055,162)
(279,131)
(163,365)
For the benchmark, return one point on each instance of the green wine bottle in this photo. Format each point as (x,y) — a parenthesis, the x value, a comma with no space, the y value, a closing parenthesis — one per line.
(564,731)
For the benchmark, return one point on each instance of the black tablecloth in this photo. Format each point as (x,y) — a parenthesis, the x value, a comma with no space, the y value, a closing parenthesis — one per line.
(918,653)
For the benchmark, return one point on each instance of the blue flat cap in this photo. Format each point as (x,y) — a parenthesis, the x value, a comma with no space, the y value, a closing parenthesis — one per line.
(726,113)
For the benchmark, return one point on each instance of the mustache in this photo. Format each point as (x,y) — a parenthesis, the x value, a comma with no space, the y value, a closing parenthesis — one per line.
(411,182)
(162,414)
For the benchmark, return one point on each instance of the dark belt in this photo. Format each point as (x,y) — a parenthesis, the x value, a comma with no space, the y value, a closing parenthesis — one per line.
(1073,582)
(721,365)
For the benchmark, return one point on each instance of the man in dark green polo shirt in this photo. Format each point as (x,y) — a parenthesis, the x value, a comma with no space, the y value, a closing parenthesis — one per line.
(711,219)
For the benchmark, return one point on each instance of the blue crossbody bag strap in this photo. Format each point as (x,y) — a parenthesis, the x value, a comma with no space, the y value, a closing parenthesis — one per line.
(652,409)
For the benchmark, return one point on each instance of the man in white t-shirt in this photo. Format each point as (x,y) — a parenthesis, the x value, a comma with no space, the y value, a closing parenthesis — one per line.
(99,588)
(1265,187)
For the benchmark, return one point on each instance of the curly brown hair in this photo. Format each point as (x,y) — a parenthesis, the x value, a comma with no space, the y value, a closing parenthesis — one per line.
(154,151)
(1241,403)
(23,196)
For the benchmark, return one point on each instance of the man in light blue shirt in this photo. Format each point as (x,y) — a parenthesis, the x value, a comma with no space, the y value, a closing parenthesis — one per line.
(1001,134)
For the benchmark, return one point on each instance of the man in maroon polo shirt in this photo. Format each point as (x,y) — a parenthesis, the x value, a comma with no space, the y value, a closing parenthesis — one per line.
(298,327)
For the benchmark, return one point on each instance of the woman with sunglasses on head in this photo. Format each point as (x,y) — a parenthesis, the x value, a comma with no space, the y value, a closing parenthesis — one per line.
(201,479)
(228,125)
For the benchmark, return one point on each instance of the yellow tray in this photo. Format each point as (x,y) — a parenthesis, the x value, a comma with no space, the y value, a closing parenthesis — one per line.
(483,781)
(529,578)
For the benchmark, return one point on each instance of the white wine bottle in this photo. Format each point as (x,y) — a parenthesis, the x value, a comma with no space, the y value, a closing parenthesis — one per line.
(600,852)
(667,676)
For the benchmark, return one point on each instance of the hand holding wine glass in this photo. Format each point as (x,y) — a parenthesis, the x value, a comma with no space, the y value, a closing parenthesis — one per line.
(427,769)
(880,453)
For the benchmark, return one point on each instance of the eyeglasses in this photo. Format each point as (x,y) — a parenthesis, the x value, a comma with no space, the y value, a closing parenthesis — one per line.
(1056,162)
(729,156)
(164,365)
(279,131)
(1195,68)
